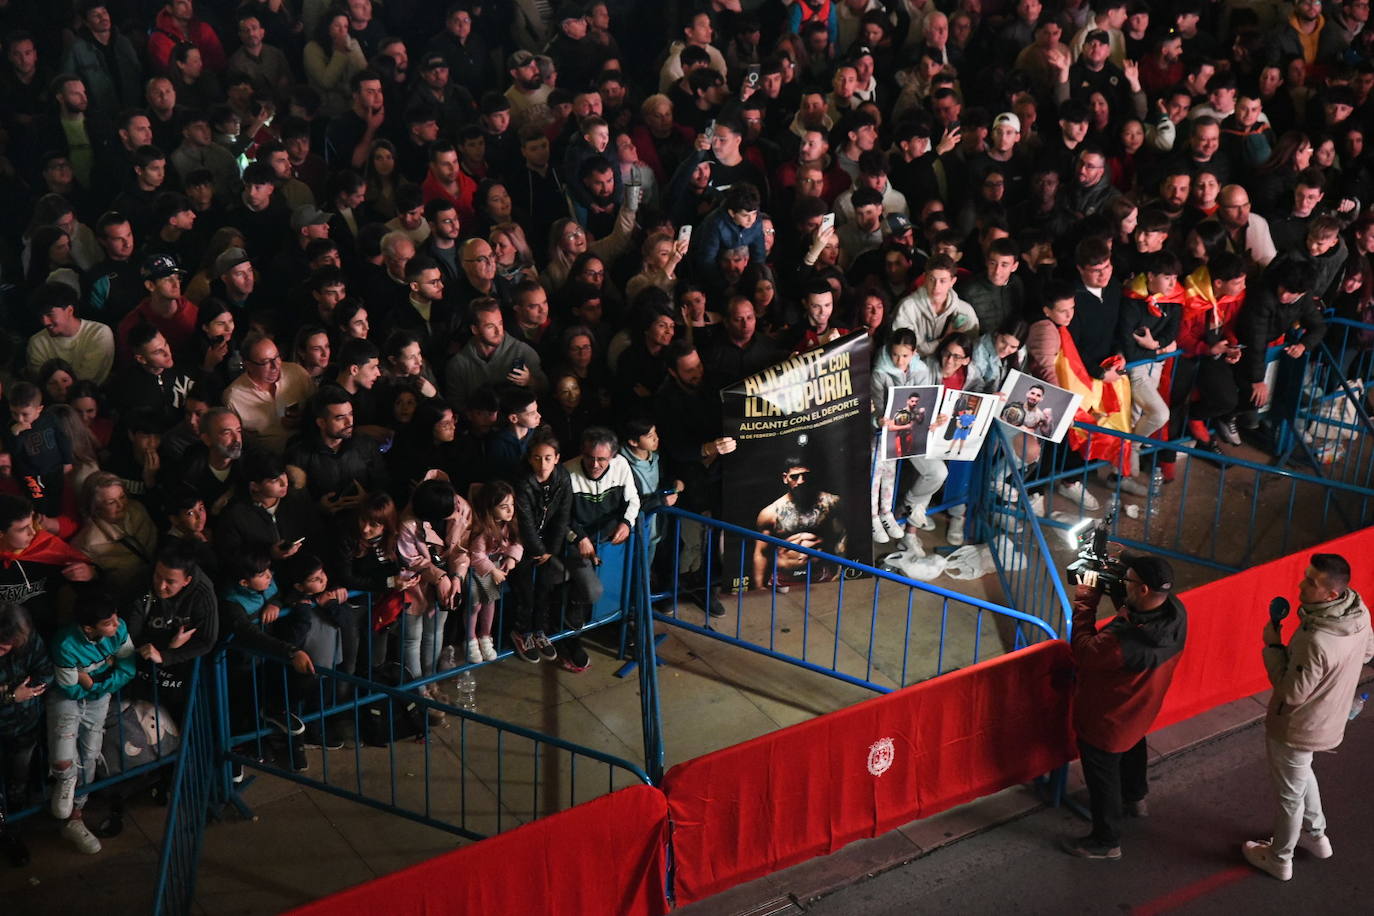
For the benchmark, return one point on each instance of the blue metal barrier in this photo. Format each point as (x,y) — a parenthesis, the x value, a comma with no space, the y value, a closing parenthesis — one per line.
(1026,567)
(472,780)
(1216,519)
(193,789)
(847,620)
(1332,428)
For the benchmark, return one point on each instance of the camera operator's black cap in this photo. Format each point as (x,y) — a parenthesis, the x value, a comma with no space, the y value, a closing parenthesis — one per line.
(1153,571)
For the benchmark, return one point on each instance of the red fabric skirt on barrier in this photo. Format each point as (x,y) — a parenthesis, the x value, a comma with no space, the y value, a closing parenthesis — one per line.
(1221,660)
(607,855)
(808,790)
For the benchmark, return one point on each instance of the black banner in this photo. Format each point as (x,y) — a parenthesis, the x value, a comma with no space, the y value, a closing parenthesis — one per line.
(802,468)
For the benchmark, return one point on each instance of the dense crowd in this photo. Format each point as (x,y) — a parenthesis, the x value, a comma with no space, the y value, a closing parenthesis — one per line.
(307,299)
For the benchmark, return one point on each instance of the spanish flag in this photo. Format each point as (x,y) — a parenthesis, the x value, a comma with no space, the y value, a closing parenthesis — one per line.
(1102,405)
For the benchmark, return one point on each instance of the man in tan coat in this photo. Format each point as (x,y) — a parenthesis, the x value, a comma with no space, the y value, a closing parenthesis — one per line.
(1314,679)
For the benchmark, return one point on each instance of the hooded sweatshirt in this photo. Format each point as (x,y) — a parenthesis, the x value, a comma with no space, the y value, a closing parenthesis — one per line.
(915,312)
(25,575)
(156,620)
(1315,675)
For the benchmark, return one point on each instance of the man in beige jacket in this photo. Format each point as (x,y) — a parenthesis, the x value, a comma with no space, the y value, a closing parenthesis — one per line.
(1314,680)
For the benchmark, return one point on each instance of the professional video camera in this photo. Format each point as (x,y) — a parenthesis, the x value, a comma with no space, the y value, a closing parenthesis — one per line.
(1095,567)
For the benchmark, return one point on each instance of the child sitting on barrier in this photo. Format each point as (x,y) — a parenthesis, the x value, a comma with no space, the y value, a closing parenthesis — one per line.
(496,550)
(543,501)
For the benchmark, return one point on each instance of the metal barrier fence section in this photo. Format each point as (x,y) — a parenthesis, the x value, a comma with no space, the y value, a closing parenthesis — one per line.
(851,621)
(1218,511)
(1027,568)
(1332,429)
(194,787)
(393,738)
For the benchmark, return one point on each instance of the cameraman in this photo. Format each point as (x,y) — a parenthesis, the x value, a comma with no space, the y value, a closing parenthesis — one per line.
(1124,670)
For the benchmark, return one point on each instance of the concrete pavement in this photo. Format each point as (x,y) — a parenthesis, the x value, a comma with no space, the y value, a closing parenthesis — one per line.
(1184,858)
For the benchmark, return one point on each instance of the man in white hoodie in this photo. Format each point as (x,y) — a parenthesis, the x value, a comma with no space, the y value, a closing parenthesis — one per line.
(1314,678)
(935,310)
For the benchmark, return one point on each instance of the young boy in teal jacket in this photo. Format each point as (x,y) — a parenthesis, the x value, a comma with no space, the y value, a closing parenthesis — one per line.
(92,660)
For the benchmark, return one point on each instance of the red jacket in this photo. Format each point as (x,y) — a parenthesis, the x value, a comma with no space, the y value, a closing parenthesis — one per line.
(1124,669)
(167,34)
(1206,319)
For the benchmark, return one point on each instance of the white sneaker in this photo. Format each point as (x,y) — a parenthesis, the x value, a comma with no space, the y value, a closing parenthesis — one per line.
(1076,493)
(911,543)
(917,518)
(76,832)
(1037,504)
(487,648)
(448,659)
(955,535)
(892,526)
(64,793)
(1260,853)
(1132,486)
(879,531)
(474,651)
(1319,846)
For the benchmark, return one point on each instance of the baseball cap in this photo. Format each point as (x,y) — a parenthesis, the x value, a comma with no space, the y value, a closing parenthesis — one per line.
(1099,35)
(432,60)
(521,58)
(308,215)
(159,266)
(1154,571)
(896,223)
(229,259)
(1009,119)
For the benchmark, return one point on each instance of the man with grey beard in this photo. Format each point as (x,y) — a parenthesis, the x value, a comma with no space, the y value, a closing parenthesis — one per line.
(212,467)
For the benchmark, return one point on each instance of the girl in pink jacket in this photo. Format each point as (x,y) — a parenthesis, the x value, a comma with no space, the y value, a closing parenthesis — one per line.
(495,549)
(432,543)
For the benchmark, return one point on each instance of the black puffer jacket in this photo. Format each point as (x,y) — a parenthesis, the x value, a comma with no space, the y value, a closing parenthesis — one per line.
(543,510)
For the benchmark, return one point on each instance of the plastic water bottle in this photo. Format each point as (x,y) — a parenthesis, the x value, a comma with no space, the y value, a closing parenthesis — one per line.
(1357,705)
(1155,494)
(465,690)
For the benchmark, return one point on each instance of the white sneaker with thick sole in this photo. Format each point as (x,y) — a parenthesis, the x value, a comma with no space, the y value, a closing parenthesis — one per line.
(1260,853)
(1318,846)
(892,526)
(955,535)
(64,793)
(1076,493)
(917,518)
(487,648)
(474,649)
(79,835)
(879,532)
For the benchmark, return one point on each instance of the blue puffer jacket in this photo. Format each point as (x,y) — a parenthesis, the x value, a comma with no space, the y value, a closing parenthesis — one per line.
(109,661)
(717,233)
